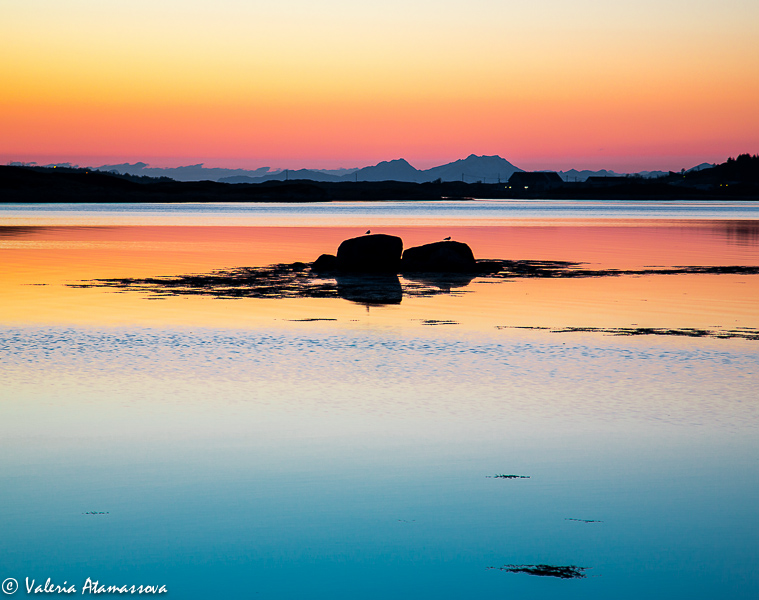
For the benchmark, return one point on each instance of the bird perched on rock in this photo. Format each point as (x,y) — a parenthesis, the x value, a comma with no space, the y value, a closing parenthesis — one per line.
(448,239)
(368,231)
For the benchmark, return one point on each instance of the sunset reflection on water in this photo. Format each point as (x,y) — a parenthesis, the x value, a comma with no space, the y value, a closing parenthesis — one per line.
(232,443)
(39,263)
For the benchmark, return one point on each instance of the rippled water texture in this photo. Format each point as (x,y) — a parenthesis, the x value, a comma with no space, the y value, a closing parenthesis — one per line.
(323,448)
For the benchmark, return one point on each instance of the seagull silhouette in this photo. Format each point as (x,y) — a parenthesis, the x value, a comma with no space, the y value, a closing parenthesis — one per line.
(448,239)
(368,231)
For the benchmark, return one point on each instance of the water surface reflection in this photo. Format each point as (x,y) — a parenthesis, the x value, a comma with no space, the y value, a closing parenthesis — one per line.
(260,447)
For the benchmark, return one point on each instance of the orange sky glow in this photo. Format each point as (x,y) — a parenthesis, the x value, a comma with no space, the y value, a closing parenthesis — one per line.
(338,84)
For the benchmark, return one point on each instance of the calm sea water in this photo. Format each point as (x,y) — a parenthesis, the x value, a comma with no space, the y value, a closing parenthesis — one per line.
(232,449)
(407,212)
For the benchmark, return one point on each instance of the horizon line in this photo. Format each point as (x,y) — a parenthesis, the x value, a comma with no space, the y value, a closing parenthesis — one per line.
(172,163)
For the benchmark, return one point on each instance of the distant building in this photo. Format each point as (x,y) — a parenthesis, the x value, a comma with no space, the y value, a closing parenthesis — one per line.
(535,180)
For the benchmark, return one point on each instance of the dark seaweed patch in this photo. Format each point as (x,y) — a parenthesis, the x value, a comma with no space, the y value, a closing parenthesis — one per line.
(309,320)
(584,520)
(562,572)
(565,269)
(274,281)
(299,280)
(278,281)
(743,333)
(438,322)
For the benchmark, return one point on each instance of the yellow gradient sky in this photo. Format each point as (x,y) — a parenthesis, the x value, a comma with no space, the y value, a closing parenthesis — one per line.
(545,84)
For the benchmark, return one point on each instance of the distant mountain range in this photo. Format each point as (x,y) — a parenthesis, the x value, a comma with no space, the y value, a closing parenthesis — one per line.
(488,169)
(737,178)
(472,169)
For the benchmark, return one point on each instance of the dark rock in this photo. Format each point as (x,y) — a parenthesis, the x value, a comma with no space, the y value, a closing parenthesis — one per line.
(378,253)
(439,257)
(326,262)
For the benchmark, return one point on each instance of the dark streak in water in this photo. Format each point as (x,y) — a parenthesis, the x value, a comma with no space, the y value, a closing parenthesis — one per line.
(309,320)
(507,476)
(743,333)
(584,520)
(564,269)
(562,572)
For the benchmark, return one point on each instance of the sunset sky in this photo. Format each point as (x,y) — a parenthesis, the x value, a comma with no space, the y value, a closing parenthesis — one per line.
(296,83)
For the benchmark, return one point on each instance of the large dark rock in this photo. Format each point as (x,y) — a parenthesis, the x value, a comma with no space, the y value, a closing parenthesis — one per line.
(377,253)
(439,257)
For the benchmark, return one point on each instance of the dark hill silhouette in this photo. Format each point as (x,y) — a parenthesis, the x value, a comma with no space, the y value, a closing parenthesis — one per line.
(21,184)
(197,172)
(735,179)
(744,169)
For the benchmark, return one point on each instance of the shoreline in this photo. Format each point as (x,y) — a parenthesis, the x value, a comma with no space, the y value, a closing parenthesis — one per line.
(23,185)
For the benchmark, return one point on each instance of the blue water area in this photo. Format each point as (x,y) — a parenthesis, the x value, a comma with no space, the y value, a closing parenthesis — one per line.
(324,461)
(406,211)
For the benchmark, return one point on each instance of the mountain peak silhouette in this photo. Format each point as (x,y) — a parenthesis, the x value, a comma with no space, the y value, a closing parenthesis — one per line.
(398,169)
(488,169)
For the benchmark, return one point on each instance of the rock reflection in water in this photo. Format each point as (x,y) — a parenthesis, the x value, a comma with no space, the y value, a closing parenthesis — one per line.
(443,282)
(370,289)
(291,281)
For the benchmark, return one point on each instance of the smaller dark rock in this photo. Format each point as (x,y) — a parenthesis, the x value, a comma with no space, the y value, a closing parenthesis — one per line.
(326,262)
(378,253)
(439,257)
